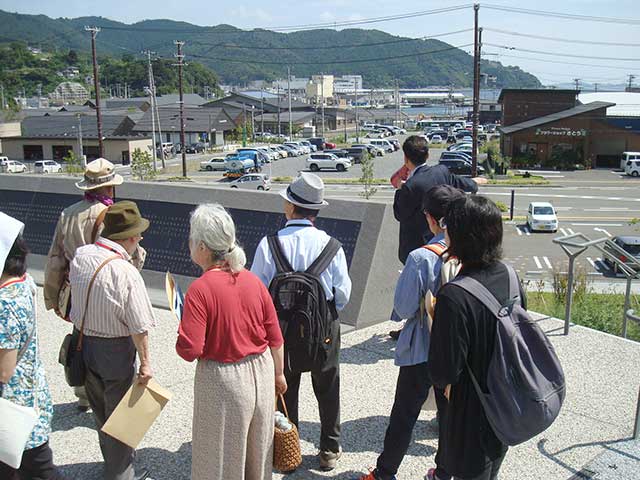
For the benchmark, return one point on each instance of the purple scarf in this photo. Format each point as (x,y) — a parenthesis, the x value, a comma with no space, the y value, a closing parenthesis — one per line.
(103,199)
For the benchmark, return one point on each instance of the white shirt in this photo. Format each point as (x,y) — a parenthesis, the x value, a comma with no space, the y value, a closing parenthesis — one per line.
(119,305)
(302,243)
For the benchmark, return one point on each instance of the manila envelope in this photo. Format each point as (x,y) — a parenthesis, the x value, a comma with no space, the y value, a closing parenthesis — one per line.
(136,412)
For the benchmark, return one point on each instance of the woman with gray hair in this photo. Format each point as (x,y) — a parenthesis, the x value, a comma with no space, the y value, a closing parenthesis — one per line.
(229,324)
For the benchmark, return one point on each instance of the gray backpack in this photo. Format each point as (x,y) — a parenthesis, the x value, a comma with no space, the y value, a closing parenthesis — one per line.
(525,379)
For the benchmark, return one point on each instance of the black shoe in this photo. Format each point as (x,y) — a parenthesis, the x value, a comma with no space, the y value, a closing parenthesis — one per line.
(395,334)
(83,408)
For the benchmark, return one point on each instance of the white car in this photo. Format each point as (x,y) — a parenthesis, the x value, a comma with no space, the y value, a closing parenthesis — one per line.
(436,139)
(252,181)
(47,166)
(384,144)
(268,153)
(319,161)
(541,216)
(215,163)
(633,168)
(12,166)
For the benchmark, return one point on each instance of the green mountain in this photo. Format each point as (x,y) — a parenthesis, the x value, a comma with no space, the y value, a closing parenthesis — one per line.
(238,56)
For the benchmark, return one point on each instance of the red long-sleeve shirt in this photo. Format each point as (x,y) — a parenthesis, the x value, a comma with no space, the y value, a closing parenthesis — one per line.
(227,317)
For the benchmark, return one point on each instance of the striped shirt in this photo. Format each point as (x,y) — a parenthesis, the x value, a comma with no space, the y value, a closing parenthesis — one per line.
(119,305)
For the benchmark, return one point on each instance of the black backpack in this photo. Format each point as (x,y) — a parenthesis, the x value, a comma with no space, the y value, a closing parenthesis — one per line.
(306,317)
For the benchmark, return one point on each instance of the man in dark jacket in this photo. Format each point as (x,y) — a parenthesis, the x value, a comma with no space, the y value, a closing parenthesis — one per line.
(407,208)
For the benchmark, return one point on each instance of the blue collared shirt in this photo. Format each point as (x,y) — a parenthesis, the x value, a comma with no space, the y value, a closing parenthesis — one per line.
(302,243)
(421,273)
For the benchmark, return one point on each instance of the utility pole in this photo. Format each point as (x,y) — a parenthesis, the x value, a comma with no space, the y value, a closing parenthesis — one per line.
(289,95)
(322,97)
(476,90)
(244,125)
(279,127)
(96,85)
(595,86)
(631,79)
(152,96)
(397,95)
(2,105)
(180,58)
(80,148)
(577,82)
(262,111)
(355,91)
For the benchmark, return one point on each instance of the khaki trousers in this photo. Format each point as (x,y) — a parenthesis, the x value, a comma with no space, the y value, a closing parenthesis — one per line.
(233,419)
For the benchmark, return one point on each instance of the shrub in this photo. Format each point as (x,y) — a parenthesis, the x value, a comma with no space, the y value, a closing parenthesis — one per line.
(141,165)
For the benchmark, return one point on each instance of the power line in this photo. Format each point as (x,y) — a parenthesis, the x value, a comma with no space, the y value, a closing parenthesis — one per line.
(331,47)
(566,16)
(557,39)
(546,60)
(301,27)
(563,54)
(332,62)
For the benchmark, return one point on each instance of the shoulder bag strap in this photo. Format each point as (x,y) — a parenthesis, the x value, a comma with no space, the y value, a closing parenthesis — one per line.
(282,264)
(97,224)
(86,303)
(325,258)
(480,292)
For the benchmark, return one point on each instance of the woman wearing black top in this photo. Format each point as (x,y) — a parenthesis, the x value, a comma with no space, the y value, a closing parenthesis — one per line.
(463,336)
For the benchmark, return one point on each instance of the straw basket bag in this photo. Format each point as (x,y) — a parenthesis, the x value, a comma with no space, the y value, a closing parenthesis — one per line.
(286,446)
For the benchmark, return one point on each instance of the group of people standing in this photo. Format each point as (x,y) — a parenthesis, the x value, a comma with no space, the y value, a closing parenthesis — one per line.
(236,330)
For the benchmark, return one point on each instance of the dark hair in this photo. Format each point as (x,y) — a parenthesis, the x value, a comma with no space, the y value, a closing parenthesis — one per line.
(474,225)
(416,149)
(305,212)
(16,263)
(436,201)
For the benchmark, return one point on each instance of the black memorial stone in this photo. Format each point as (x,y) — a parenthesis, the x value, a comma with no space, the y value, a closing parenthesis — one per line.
(167,240)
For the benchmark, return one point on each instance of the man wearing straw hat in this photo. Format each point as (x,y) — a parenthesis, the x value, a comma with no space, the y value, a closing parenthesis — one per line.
(80,224)
(301,243)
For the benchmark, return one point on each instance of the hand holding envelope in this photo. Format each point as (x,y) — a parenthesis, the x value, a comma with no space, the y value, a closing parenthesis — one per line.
(136,412)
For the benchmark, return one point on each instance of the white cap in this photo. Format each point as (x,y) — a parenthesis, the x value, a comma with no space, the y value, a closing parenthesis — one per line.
(10,228)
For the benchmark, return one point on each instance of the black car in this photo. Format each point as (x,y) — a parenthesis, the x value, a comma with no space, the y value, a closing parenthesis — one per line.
(628,243)
(195,148)
(338,152)
(454,155)
(459,166)
(319,142)
(357,153)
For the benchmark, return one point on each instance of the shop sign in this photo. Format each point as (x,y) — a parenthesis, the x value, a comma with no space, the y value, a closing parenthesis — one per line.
(565,132)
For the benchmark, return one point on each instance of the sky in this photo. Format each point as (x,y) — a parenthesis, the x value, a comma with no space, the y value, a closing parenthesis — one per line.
(506,47)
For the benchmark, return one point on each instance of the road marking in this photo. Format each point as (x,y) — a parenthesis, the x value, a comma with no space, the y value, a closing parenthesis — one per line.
(546,260)
(546,195)
(602,230)
(596,224)
(571,231)
(527,230)
(602,209)
(564,232)
(561,209)
(591,262)
(538,264)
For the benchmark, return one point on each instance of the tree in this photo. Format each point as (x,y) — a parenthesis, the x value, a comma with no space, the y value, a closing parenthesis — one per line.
(142,166)
(368,190)
(72,57)
(72,163)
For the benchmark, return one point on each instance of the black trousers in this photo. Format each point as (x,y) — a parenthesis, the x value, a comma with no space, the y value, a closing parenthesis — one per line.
(490,472)
(412,390)
(37,464)
(326,387)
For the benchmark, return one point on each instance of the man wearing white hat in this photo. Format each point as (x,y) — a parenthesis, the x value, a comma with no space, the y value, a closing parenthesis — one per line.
(80,224)
(302,246)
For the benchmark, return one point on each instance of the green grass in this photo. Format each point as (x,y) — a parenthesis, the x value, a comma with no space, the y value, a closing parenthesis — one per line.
(600,311)
(520,180)
(336,181)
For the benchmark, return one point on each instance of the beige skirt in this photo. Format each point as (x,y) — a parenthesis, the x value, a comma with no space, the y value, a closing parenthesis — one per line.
(233,417)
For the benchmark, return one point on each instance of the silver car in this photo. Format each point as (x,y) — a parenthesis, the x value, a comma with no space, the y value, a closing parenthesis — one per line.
(252,181)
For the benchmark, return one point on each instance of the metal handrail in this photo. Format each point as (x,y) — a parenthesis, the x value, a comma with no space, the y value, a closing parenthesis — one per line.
(630,314)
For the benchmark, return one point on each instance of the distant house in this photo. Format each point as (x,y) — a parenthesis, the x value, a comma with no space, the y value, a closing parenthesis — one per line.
(200,124)
(259,102)
(70,73)
(69,92)
(54,135)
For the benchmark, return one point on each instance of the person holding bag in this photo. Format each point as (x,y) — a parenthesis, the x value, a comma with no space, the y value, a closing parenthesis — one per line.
(22,377)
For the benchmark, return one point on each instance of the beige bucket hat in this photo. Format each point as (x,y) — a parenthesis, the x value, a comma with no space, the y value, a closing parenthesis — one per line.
(99,173)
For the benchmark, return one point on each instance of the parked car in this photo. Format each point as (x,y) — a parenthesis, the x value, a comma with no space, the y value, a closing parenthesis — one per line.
(196,148)
(277,154)
(215,163)
(319,161)
(466,139)
(340,153)
(312,147)
(633,168)
(542,216)
(626,157)
(435,139)
(357,153)
(372,149)
(460,147)
(460,155)
(47,166)
(13,166)
(384,144)
(238,165)
(329,146)
(296,148)
(291,152)
(629,243)
(252,181)
(262,156)
(398,130)
(269,155)
(459,166)
(318,142)
(396,143)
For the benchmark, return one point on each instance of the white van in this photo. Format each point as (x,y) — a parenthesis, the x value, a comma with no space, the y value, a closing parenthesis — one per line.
(627,157)
(633,167)
(383,144)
